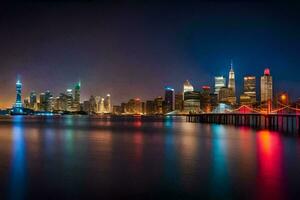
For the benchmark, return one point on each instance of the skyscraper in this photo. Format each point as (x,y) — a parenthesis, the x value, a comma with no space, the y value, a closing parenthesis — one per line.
(76,103)
(187,87)
(107,104)
(33,100)
(69,100)
(266,86)
(250,88)
(169,100)
(220,81)
(158,105)
(18,103)
(231,80)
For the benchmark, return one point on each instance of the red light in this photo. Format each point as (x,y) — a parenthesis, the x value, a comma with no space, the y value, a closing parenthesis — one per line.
(267,72)
(205,87)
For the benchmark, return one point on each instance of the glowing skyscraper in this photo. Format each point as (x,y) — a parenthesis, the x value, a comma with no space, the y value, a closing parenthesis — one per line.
(231,81)
(266,86)
(169,99)
(107,104)
(18,103)
(76,103)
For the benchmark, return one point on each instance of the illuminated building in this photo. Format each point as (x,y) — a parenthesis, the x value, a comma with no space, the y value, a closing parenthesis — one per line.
(76,102)
(107,104)
(18,103)
(249,89)
(134,106)
(266,86)
(169,100)
(43,104)
(150,107)
(69,100)
(98,104)
(191,102)
(48,103)
(33,100)
(18,107)
(158,105)
(220,81)
(187,87)
(231,80)
(102,109)
(205,99)
(178,102)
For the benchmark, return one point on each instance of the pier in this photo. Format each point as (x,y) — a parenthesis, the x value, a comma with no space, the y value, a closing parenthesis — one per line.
(278,122)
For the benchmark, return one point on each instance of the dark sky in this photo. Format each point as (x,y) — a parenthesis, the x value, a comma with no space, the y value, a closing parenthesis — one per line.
(134,49)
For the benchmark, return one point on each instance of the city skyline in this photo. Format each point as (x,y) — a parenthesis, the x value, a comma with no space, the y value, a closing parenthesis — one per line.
(158,44)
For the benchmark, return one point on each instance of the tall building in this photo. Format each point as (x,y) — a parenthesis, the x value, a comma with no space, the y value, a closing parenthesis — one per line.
(18,103)
(102,109)
(98,104)
(250,89)
(18,107)
(76,103)
(220,81)
(69,100)
(266,86)
(33,100)
(93,105)
(231,80)
(107,104)
(169,100)
(43,103)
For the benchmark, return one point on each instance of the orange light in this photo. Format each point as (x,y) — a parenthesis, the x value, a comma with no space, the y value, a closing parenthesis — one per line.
(283,97)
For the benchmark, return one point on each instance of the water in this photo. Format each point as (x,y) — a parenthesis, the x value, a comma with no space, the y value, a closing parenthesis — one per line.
(88,158)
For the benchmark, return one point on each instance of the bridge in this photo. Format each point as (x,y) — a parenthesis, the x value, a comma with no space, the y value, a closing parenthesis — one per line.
(284,118)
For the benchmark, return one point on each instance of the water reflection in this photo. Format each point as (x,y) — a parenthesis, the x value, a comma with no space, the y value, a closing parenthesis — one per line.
(134,158)
(18,163)
(220,172)
(270,169)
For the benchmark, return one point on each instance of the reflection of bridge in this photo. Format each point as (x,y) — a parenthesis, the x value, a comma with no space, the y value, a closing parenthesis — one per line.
(284,118)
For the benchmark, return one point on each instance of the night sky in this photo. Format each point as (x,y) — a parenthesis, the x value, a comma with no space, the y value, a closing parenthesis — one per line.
(135,49)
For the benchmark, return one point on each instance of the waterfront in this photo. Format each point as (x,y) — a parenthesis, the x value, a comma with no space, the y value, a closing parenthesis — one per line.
(80,157)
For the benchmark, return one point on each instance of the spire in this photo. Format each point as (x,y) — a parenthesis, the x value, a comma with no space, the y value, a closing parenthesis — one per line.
(231,65)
